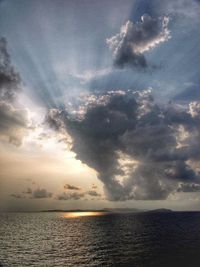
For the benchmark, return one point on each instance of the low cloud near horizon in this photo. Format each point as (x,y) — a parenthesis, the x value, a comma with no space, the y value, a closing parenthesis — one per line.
(70,192)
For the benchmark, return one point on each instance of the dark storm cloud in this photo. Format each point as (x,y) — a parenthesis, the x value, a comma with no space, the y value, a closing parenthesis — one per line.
(188,188)
(13,123)
(134,39)
(180,171)
(9,78)
(140,150)
(71,187)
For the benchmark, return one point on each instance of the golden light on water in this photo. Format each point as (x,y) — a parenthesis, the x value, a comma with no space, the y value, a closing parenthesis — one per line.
(83,214)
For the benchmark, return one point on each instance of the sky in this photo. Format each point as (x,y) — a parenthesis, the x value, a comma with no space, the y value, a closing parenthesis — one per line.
(99,104)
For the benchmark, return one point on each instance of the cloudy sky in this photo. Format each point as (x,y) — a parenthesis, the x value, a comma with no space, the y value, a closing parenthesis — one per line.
(99,104)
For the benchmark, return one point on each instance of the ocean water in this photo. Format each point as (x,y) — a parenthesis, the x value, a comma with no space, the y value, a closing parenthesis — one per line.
(60,239)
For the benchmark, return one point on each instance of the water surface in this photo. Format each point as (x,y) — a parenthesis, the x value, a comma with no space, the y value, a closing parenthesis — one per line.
(61,239)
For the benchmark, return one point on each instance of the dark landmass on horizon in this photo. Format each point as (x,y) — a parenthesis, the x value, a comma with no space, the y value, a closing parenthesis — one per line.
(122,210)
(114,210)
(105,210)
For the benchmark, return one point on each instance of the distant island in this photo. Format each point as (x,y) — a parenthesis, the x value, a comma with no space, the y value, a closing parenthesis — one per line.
(113,210)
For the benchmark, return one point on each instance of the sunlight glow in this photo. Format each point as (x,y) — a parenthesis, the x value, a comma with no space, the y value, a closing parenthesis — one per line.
(83,214)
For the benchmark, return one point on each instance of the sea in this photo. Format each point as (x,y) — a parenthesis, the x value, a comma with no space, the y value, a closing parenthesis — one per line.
(103,239)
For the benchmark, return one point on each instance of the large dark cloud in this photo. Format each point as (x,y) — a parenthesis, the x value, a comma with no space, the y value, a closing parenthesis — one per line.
(9,79)
(139,149)
(134,39)
(13,121)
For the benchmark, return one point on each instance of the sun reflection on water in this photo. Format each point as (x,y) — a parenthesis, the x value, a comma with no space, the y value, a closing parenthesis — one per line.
(78,214)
